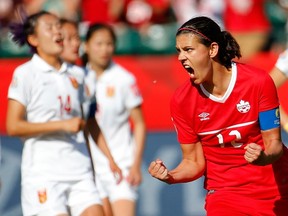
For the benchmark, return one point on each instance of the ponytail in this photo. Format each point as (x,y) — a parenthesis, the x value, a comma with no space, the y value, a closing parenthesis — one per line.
(229,49)
(21,30)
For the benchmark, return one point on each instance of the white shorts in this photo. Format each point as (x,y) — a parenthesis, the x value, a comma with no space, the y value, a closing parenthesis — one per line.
(46,197)
(108,187)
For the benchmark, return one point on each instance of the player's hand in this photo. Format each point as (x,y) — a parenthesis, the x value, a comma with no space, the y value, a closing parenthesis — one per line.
(134,177)
(253,152)
(158,170)
(74,125)
(117,172)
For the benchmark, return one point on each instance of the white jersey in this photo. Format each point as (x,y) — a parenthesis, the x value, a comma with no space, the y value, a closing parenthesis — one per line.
(116,94)
(51,95)
(282,62)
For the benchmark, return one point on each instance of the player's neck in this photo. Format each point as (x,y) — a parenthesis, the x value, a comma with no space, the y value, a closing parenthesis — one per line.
(220,81)
(98,69)
(52,60)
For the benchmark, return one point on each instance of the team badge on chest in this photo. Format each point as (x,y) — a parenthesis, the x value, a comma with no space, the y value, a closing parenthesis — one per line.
(74,82)
(243,106)
(42,195)
(110,91)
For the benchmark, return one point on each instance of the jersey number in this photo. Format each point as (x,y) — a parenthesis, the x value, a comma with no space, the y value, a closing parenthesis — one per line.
(65,106)
(233,143)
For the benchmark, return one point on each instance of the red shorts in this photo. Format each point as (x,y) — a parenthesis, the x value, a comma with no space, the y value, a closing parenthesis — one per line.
(223,203)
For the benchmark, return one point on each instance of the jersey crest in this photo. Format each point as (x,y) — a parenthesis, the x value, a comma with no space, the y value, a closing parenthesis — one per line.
(110,91)
(243,106)
(74,82)
(42,196)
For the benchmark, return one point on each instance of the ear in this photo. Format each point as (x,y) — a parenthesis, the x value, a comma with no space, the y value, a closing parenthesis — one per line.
(32,40)
(214,47)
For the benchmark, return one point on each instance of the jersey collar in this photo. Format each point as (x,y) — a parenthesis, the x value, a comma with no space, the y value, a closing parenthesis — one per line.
(108,69)
(229,89)
(45,67)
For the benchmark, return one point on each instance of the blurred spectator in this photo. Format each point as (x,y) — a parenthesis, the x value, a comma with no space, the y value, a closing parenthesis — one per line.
(139,13)
(248,23)
(13,10)
(7,11)
(68,9)
(32,6)
(283,4)
(135,13)
(17,10)
(143,26)
(107,10)
(277,15)
(186,9)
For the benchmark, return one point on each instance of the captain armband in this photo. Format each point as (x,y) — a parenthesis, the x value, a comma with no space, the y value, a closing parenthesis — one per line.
(269,119)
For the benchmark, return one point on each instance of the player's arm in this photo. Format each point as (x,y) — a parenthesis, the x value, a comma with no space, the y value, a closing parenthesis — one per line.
(271,135)
(284,119)
(139,132)
(279,79)
(191,167)
(17,125)
(94,130)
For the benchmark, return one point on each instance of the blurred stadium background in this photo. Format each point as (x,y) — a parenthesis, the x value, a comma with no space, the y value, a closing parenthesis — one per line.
(146,47)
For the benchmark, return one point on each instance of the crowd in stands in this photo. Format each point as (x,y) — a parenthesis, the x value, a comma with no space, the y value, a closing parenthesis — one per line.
(148,26)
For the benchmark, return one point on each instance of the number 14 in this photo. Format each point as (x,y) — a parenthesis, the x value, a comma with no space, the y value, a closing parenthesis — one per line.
(65,106)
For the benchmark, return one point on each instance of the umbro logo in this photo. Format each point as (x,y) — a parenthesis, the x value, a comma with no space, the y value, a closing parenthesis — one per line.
(204,116)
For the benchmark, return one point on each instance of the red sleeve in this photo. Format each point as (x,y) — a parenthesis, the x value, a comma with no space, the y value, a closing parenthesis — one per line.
(268,94)
(180,119)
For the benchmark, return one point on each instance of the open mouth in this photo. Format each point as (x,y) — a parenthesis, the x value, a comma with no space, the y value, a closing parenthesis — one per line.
(189,69)
(59,41)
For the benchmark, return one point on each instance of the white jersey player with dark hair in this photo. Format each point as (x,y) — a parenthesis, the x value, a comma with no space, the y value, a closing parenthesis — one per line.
(44,108)
(118,101)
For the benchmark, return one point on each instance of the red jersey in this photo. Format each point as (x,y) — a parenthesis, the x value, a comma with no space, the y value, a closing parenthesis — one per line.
(225,126)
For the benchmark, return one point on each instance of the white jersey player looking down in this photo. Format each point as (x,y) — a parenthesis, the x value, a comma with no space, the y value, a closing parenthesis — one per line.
(44,108)
(118,101)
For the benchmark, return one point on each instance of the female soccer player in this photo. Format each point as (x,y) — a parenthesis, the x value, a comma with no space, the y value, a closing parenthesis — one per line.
(44,108)
(227,121)
(70,54)
(118,101)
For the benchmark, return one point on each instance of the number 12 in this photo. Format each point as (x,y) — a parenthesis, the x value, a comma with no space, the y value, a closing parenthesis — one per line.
(233,143)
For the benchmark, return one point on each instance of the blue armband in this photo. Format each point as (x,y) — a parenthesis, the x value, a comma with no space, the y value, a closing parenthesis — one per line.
(269,119)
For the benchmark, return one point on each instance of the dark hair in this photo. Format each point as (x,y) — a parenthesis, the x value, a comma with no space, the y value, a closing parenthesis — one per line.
(91,30)
(20,31)
(209,31)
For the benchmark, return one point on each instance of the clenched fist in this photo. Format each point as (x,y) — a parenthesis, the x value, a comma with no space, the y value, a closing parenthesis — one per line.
(253,152)
(158,170)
